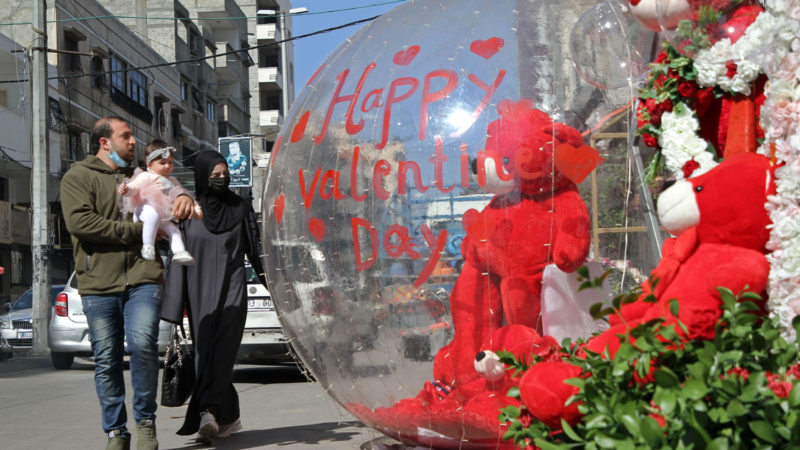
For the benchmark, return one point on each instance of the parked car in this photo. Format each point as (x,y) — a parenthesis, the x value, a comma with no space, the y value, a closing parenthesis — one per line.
(16,325)
(263,341)
(68,331)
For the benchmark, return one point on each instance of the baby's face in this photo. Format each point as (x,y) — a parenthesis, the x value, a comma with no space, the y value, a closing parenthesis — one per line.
(161,166)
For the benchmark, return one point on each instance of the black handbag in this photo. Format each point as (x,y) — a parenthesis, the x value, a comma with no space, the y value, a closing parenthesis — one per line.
(178,377)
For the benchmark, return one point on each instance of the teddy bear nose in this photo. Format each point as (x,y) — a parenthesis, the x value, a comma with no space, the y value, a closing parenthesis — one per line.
(480,356)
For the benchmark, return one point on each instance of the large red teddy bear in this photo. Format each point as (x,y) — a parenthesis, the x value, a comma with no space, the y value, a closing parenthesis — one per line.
(721,226)
(535,218)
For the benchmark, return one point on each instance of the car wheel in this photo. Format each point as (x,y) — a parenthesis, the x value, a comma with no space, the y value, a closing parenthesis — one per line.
(62,361)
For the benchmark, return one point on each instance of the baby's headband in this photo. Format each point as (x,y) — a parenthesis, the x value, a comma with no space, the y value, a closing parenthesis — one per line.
(163,153)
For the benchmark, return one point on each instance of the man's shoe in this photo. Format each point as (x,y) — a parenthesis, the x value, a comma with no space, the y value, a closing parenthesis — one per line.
(208,427)
(146,435)
(148,252)
(229,429)
(183,257)
(117,440)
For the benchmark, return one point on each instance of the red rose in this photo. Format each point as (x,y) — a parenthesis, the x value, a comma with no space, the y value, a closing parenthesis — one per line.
(525,418)
(689,167)
(662,56)
(652,106)
(732,68)
(673,74)
(687,89)
(658,418)
(649,140)
(655,118)
(660,81)
(739,372)
(780,388)
(665,106)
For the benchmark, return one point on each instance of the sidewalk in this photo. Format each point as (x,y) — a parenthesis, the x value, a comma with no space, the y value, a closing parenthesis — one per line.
(43,408)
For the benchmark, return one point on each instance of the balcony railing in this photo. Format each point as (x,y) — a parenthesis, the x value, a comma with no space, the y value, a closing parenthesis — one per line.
(233,113)
(266,32)
(270,75)
(269,118)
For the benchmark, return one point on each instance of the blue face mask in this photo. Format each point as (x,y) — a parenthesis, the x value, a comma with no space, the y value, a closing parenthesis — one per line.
(117,160)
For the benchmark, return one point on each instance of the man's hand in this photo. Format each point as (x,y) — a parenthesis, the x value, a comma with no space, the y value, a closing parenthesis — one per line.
(183,208)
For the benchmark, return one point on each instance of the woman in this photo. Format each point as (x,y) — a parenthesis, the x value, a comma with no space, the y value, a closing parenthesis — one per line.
(214,292)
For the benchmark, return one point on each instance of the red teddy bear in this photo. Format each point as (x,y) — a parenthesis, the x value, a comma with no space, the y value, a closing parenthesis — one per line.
(536,218)
(721,226)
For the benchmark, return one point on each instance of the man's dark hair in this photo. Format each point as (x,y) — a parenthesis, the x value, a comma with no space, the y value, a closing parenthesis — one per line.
(101,129)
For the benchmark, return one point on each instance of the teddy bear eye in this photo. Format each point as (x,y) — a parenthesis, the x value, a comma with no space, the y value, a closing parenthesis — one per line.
(698,188)
(506,160)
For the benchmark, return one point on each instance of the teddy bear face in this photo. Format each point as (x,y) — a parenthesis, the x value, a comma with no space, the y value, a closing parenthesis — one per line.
(726,204)
(520,152)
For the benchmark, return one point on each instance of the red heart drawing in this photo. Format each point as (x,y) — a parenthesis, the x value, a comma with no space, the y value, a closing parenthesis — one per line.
(404,57)
(278,206)
(299,129)
(274,151)
(487,48)
(510,108)
(317,228)
(576,163)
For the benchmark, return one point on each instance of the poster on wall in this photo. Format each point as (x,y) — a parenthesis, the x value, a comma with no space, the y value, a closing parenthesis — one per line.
(236,152)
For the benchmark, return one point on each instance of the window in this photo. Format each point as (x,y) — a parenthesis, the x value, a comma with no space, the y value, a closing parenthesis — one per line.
(176,124)
(210,111)
(118,74)
(138,90)
(4,98)
(184,90)
(72,61)
(74,145)
(98,77)
(4,189)
(196,100)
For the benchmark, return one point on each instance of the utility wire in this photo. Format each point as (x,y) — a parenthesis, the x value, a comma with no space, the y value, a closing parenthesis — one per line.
(276,15)
(202,58)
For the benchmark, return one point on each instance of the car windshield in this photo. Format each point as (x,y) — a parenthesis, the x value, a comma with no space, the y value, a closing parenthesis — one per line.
(25,301)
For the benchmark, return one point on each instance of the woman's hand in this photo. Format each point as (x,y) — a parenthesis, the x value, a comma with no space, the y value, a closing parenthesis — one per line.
(122,189)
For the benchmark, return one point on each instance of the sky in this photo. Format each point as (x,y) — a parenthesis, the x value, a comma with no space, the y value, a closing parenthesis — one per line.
(310,52)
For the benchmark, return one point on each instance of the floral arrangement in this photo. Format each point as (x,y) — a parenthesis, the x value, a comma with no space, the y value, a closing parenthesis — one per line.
(739,390)
(781,121)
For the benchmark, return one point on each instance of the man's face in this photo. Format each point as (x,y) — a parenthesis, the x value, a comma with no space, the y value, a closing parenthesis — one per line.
(234,149)
(121,141)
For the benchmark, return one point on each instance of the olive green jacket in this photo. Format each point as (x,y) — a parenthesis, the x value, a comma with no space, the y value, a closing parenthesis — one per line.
(106,247)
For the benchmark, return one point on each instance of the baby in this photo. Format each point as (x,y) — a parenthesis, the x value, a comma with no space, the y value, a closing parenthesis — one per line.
(149,195)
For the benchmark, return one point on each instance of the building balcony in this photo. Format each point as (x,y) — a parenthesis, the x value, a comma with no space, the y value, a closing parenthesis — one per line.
(266,32)
(229,67)
(270,75)
(269,118)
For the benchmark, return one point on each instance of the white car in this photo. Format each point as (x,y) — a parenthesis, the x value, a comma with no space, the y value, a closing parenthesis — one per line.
(263,341)
(17,325)
(68,331)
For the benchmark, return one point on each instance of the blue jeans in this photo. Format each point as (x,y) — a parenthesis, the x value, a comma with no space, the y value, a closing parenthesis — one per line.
(136,313)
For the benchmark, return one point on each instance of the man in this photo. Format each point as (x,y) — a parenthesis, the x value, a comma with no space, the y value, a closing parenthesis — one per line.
(121,291)
(237,162)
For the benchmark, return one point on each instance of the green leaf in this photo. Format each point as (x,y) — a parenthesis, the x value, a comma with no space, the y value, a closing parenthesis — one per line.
(513,392)
(794,396)
(666,400)
(604,441)
(545,444)
(719,443)
(764,431)
(695,389)
(666,378)
(652,433)
(630,423)
(570,432)
(583,271)
(735,408)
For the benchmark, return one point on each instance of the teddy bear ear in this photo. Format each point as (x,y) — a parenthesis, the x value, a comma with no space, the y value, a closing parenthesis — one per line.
(565,134)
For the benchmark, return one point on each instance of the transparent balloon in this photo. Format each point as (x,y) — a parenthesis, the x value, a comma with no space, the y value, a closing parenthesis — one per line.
(609,47)
(375,204)
(692,26)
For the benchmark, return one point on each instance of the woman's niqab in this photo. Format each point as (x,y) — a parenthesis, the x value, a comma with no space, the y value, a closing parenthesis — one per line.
(221,210)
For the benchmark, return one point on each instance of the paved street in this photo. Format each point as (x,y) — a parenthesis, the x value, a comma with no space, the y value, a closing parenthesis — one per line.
(42,408)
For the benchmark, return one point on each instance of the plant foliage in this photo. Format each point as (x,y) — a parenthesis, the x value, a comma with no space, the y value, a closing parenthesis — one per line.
(739,390)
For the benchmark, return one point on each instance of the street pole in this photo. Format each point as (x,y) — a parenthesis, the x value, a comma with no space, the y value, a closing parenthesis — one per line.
(39,155)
